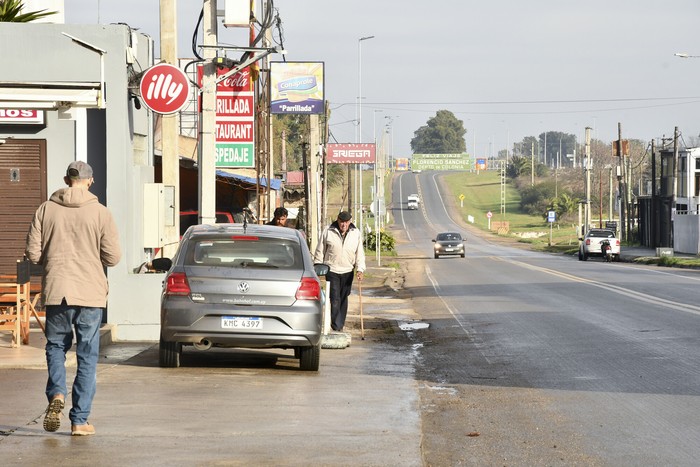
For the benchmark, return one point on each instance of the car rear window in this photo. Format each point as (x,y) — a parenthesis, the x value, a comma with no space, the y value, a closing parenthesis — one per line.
(602,234)
(244,252)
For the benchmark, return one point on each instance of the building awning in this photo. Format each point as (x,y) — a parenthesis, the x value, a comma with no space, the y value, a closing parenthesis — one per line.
(54,95)
(275,183)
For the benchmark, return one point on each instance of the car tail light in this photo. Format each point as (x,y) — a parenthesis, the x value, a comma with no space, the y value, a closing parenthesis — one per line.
(246,238)
(309,289)
(588,241)
(617,242)
(177,284)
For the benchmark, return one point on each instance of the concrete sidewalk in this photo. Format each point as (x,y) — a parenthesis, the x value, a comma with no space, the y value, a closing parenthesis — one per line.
(233,406)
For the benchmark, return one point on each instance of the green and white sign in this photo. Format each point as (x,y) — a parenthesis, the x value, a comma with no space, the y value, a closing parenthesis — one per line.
(442,162)
(235,155)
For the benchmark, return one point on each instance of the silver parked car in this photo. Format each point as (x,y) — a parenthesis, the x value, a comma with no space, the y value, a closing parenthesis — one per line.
(448,243)
(236,285)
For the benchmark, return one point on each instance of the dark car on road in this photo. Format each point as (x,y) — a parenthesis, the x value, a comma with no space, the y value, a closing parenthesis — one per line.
(448,243)
(239,285)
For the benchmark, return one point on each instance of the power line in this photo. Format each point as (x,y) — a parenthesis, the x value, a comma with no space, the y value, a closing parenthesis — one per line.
(564,101)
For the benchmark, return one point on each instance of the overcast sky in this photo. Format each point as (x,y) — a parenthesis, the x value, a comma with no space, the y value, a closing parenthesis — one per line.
(507,68)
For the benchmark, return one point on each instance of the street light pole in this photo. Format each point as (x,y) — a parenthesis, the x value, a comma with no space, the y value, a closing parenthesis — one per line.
(377,170)
(358,134)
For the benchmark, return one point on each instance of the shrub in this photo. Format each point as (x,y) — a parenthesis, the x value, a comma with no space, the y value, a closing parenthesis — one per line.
(386,241)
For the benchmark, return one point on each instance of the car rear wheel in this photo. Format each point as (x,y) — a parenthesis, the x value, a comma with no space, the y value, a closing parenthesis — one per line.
(309,358)
(169,355)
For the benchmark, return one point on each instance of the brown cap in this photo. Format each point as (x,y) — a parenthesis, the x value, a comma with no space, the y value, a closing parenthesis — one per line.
(344,216)
(79,169)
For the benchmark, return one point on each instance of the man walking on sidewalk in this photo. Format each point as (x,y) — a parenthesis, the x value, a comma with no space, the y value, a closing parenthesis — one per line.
(74,238)
(340,247)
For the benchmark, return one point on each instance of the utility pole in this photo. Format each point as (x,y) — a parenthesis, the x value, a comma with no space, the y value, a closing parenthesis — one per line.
(610,194)
(589,166)
(170,162)
(675,181)
(326,117)
(503,190)
(600,198)
(653,220)
(314,188)
(207,145)
(532,164)
(263,147)
(623,185)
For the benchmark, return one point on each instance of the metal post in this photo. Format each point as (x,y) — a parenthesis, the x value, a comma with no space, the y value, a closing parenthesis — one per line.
(589,166)
(207,159)
(359,122)
(623,185)
(169,134)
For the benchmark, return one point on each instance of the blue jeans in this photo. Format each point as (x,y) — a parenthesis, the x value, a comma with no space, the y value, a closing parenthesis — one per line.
(60,321)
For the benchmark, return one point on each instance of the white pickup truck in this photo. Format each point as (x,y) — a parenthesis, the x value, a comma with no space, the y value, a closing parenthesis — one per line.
(412,202)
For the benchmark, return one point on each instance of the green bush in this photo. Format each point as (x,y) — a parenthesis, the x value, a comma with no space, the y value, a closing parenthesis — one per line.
(386,241)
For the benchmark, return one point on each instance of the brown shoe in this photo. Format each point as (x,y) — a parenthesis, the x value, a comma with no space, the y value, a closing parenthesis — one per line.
(82,430)
(52,420)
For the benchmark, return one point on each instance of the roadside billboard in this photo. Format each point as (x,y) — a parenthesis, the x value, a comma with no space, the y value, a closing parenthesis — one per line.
(442,162)
(297,88)
(349,153)
(235,135)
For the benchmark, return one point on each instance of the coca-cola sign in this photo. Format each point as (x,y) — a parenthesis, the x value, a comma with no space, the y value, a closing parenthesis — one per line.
(165,89)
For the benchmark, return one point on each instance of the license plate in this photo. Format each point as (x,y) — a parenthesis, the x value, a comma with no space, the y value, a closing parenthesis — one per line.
(449,249)
(233,322)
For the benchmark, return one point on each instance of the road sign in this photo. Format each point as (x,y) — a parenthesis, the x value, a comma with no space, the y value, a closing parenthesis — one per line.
(461,197)
(551,216)
(489,214)
(165,89)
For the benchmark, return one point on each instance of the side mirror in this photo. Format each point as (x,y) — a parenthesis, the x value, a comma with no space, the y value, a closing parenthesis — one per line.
(321,269)
(433,240)
(161,264)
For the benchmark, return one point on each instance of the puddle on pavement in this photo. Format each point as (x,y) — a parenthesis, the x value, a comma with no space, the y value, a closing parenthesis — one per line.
(413,325)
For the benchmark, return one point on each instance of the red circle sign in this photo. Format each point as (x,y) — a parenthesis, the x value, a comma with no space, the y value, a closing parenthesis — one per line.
(165,89)
(489,214)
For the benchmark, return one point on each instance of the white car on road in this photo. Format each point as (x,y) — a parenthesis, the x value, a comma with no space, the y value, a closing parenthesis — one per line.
(591,244)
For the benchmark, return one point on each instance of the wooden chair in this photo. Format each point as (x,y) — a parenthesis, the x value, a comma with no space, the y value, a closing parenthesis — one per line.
(17,304)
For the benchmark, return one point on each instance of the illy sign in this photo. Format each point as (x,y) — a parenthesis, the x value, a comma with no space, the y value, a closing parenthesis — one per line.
(165,89)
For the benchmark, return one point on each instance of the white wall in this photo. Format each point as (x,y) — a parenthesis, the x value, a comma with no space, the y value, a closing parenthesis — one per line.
(125,146)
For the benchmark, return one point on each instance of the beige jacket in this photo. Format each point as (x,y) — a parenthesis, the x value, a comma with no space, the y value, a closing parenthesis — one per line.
(342,255)
(74,237)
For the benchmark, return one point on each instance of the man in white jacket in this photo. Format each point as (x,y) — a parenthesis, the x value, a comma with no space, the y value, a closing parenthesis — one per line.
(340,247)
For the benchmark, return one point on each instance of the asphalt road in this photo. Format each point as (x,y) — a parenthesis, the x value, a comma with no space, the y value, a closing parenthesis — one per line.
(528,359)
(539,359)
